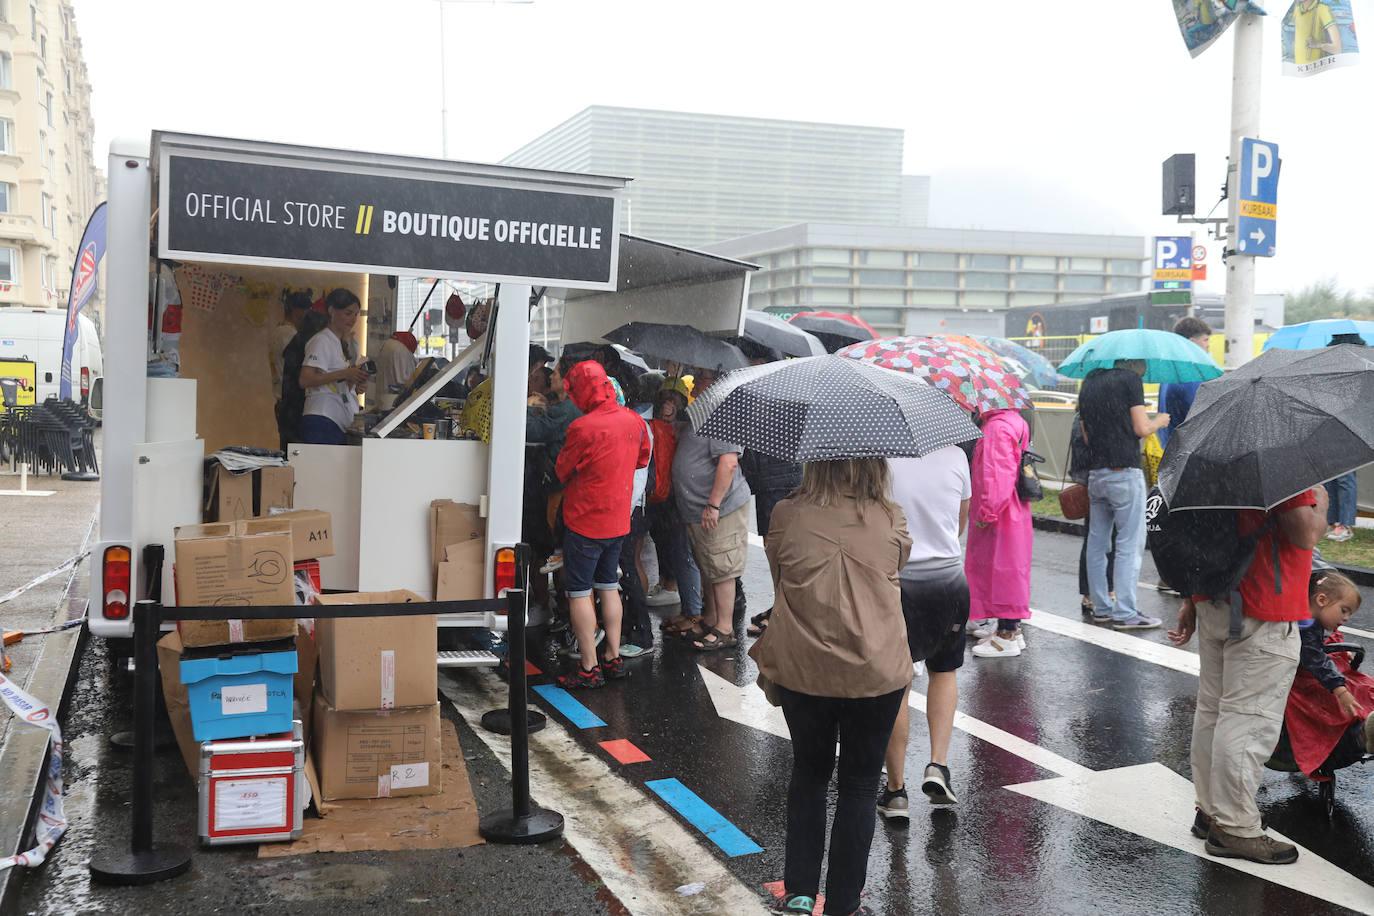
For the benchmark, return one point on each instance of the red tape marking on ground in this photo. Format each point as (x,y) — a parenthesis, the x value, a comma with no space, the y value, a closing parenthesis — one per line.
(531,670)
(624,751)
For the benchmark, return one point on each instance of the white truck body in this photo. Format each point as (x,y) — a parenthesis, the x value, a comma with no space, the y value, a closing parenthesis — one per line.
(36,334)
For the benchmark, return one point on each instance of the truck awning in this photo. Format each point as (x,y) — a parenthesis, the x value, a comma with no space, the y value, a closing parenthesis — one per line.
(662,283)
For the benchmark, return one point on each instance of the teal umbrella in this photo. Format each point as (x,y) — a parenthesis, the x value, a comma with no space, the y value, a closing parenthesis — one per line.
(1167,357)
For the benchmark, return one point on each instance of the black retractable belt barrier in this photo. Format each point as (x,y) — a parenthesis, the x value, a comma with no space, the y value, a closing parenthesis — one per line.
(499,720)
(146,862)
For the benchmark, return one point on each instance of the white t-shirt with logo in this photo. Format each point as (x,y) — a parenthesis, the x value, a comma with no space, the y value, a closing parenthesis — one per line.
(930,490)
(336,400)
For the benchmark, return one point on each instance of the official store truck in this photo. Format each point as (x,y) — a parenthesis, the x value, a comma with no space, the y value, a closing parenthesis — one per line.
(235,223)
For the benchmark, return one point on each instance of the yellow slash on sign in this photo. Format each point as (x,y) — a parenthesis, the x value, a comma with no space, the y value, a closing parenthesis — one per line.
(364,226)
(1259,209)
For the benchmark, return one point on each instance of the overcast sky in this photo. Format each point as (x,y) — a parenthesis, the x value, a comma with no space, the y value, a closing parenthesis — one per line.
(1026,118)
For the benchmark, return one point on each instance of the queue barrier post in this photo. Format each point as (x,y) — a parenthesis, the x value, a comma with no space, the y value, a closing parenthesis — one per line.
(498,721)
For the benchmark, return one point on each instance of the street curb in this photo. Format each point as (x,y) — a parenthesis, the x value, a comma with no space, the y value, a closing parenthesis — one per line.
(25,752)
(1360,575)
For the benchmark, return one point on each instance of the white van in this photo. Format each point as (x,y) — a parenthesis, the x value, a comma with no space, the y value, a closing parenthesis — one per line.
(36,334)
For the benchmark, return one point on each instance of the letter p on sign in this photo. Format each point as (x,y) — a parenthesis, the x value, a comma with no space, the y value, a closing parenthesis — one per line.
(1261,167)
(1166,251)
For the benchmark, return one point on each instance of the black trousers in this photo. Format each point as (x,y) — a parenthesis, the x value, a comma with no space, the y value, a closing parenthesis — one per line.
(863,727)
(636,628)
(1083,563)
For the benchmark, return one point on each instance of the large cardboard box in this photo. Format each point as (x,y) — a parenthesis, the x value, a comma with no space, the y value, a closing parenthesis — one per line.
(377,662)
(234,564)
(377,753)
(452,523)
(312,532)
(235,497)
(462,575)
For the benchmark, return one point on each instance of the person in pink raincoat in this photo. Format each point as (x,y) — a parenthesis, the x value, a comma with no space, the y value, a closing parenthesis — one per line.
(1000,538)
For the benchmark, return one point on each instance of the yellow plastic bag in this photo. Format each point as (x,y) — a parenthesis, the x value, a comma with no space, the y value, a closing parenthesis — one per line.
(1154,453)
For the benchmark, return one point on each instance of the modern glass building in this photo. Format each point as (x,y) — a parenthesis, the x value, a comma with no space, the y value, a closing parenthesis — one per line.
(908,280)
(700,178)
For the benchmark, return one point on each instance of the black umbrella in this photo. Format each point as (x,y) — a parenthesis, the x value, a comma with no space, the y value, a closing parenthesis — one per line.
(772,332)
(1279,425)
(827,407)
(834,330)
(680,344)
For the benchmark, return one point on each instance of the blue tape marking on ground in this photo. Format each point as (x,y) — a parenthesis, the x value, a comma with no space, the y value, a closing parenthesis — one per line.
(731,840)
(572,710)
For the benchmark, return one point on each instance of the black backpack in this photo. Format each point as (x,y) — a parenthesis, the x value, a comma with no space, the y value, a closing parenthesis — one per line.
(1200,551)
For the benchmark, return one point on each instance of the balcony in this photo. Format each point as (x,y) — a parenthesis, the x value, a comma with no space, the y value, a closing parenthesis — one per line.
(17,227)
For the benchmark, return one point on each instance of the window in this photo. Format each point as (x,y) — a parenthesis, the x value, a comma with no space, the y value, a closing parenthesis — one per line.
(783,278)
(6,197)
(9,264)
(986,281)
(881,297)
(827,296)
(829,255)
(1087,264)
(1020,299)
(933,299)
(50,272)
(6,136)
(929,278)
(830,275)
(6,71)
(889,317)
(43,47)
(989,262)
(1124,284)
(882,277)
(46,209)
(1036,262)
(882,258)
(4,10)
(938,259)
(984,300)
(1036,281)
(1083,284)
(66,26)
(1125,266)
(33,22)
(47,105)
(67,78)
(43,147)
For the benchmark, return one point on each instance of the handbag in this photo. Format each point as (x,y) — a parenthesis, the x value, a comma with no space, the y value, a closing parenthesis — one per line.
(1073,499)
(1028,486)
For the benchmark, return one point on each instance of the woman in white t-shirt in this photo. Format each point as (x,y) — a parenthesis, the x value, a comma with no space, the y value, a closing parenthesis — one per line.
(329,375)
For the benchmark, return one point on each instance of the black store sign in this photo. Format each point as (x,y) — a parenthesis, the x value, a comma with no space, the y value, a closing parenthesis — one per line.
(230,210)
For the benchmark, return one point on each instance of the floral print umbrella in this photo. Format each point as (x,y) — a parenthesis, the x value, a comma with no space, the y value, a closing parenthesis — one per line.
(975,378)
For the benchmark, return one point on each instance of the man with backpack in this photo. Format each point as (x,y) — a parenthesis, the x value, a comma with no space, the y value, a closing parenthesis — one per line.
(1248,648)
(1112,407)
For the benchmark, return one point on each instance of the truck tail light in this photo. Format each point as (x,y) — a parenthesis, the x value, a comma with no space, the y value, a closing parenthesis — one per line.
(505,570)
(115,574)
(85,382)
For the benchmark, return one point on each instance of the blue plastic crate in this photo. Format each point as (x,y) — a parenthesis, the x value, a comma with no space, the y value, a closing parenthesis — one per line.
(238,696)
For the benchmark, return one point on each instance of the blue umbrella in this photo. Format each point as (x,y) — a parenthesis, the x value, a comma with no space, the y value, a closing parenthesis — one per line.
(1040,371)
(1167,356)
(1313,335)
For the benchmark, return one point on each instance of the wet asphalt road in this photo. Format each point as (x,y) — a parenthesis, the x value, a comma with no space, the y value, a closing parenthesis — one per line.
(998,851)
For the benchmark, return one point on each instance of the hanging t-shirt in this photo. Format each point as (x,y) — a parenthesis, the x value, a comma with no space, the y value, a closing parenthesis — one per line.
(336,400)
(930,490)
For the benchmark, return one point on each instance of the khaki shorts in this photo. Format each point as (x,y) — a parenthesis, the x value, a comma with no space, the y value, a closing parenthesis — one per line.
(722,553)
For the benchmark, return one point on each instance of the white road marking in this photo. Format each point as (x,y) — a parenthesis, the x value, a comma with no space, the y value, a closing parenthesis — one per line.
(1116,641)
(641,851)
(1119,798)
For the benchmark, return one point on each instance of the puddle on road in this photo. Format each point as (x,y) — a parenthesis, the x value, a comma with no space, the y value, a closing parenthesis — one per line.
(328,882)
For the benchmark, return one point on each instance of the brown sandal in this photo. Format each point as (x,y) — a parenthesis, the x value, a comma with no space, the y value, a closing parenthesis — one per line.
(675,626)
(696,631)
(718,641)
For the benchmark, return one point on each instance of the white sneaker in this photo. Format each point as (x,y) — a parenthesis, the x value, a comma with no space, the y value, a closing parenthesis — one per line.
(982,629)
(576,653)
(997,647)
(659,596)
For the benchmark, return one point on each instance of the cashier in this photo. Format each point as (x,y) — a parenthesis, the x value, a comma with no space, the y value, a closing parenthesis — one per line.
(395,365)
(330,373)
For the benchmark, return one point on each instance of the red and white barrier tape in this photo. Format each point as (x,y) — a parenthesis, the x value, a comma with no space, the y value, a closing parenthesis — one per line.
(52,818)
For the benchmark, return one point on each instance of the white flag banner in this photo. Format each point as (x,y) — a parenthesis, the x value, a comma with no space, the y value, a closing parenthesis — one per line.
(52,818)
(1318,35)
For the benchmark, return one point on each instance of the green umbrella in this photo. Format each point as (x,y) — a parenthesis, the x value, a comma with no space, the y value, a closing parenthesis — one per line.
(1167,357)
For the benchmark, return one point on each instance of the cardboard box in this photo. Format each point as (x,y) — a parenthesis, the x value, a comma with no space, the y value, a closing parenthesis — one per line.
(377,662)
(377,753)
(234,564)
(312,532)
(462,575)
(236,497)
(178,703)
(452,523)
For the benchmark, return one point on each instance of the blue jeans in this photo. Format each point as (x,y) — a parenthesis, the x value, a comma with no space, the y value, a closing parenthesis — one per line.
(670,537)
(1344,503)
(1116,502)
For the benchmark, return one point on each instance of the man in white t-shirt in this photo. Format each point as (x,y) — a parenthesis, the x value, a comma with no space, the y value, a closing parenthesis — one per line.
(934,493)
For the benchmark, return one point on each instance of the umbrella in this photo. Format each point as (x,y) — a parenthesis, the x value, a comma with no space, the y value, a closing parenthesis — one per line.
(1167,356)
(772,332)
(1279,425)
(976,379)
(823,408)
(1313,334)
(1038,370)
(680,344)
(589,350)
(834,329)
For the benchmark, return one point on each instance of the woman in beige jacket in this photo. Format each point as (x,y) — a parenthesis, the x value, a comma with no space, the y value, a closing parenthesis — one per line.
(836,652)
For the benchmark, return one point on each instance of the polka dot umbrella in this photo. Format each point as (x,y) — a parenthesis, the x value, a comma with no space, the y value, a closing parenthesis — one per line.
(976,378)
(822,408)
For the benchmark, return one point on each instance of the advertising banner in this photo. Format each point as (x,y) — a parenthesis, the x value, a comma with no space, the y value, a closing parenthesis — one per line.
(1203,21)
(1318,35)
(85,273)
(18,383)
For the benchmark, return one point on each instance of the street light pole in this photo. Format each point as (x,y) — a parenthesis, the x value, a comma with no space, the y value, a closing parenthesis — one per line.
(1245,122)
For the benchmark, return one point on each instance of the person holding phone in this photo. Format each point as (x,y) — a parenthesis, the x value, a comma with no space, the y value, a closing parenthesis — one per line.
(330,375)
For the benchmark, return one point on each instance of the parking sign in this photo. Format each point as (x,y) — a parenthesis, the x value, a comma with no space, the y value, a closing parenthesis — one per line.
(1257,225)
(1173,267)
